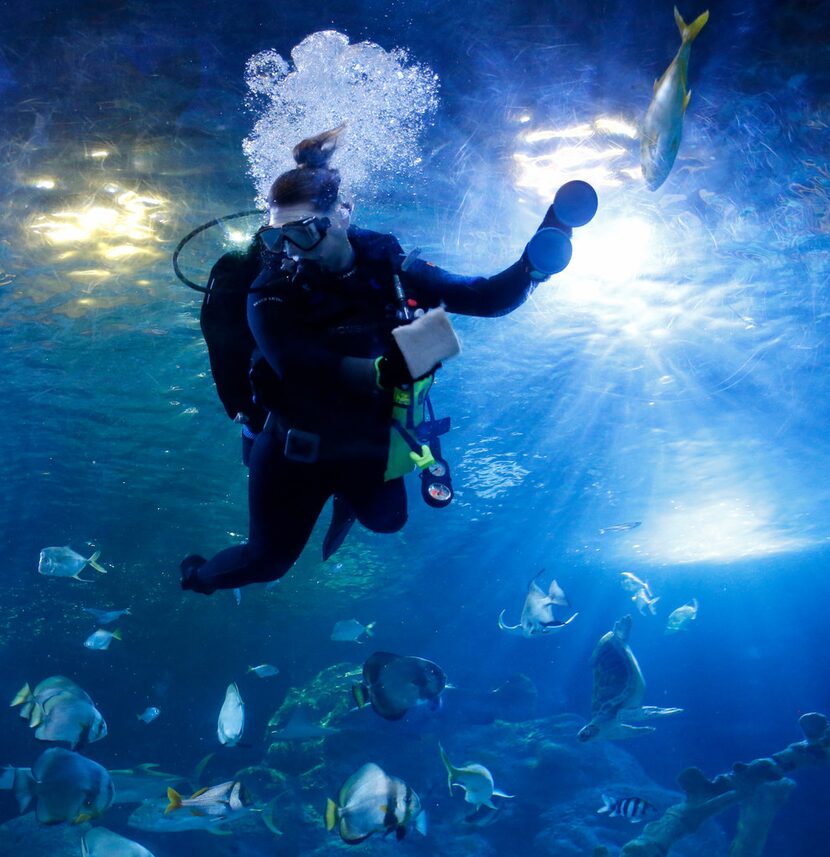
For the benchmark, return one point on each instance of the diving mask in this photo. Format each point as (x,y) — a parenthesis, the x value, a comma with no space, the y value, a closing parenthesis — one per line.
(304,234)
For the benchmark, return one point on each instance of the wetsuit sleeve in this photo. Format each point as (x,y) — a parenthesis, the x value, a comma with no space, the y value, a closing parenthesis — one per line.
(432,286)
(291,354)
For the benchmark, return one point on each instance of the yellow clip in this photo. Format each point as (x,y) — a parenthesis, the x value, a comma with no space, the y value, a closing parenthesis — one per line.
(425,459)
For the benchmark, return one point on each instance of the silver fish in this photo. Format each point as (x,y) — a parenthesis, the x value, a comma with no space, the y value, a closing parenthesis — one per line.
(679,619)
(264,670)
(476,781)
(220,801)
(371,801)
(231,717)
(64,786)
(99,641)
(106,617)
(644,603)
(149,714)
(64,562)
(620,528)
(537,612)
(100,842)
(662,125)
(351,631)
(631,583)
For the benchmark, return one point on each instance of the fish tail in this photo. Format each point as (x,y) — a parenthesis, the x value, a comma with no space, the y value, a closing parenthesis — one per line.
(448,765)
(370,629)
(175,800)
(116,634)
(652,605)
(607,804)
(22,695)
(93,561)
(331,814)
(25,788)
(688,32)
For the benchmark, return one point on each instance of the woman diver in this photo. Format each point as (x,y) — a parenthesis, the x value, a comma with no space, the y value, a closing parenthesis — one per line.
(321,310)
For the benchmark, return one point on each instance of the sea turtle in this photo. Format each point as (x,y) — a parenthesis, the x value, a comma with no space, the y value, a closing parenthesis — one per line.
(618,689)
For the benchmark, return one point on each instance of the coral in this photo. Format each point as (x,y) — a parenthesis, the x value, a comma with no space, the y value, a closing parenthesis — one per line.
(759,787)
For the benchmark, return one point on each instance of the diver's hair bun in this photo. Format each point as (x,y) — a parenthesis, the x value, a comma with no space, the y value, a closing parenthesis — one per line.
(315,152)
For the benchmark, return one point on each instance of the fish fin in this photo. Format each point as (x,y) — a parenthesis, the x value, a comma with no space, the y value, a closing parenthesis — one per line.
(79,578)
(93,561)
(331,814)
(686,99)
(175,800)
(504,627)
(359,694)
(268,818)
(217,831)
(23,785)
(117,634)
(84,847)
(199,792)
(200,768)
(448,765)
(498,793)
(81,817)
(36,717)
(694,604)
(421,823)
(370,629)
(688,32)
(22,695)
(607,804)
(557,595)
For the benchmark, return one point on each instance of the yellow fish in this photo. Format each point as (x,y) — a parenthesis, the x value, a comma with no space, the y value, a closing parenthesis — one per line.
(662,126)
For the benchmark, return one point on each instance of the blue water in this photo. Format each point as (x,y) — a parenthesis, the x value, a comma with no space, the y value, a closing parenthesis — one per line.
(673,375)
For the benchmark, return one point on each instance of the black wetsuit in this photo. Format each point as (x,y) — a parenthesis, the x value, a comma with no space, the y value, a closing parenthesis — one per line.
(320,333)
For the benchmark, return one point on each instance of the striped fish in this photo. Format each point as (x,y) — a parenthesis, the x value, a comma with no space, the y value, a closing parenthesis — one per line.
(632,808)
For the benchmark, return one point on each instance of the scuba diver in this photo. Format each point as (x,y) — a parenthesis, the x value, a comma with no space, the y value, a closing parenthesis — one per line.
(323,340)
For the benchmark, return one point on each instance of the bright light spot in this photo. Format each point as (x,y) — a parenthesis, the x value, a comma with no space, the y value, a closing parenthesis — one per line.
(525,117)
(124,229)
(99,153)
(90,274)
(237,236)
(610,125)
(617,253)
(44,184)
(574,132)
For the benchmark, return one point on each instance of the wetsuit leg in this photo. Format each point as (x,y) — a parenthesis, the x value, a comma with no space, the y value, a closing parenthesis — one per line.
(380,506)
(284,500)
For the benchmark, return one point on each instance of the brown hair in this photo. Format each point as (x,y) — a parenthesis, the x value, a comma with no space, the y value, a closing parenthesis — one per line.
(312,181)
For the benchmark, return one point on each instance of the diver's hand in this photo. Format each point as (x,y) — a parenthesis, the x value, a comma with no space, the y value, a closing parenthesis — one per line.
(391,370)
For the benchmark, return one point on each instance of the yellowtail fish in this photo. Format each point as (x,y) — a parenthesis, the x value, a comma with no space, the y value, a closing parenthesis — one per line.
(64,562)
(216,802)
(662,126)
(371,801)
(100,640)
